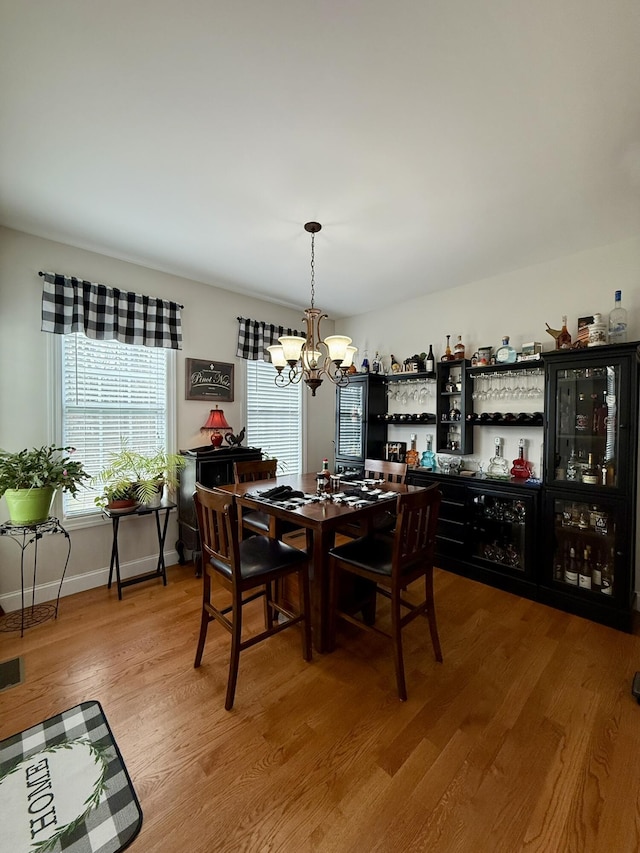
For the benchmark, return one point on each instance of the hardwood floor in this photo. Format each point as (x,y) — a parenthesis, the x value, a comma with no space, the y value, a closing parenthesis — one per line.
(526,738)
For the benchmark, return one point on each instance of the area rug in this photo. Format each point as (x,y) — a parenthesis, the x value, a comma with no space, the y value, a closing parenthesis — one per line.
(64,787)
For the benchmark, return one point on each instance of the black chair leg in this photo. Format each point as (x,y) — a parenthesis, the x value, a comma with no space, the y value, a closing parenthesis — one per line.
(396,634)
(236,640)
(204,622)
(268,609)
(431,616)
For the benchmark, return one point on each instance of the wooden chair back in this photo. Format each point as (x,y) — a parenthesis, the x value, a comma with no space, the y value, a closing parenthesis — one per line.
(415,534)
(248,472)
(218,525)
(393,472)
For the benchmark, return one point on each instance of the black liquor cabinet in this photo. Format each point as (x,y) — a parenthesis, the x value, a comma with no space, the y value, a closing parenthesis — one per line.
(590,482)
(360,432)
(569,541)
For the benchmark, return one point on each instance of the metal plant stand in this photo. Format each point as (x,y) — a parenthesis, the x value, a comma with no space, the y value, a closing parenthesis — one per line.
(25,535)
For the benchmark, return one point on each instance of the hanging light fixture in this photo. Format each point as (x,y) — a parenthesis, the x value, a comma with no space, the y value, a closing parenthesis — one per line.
(312,358)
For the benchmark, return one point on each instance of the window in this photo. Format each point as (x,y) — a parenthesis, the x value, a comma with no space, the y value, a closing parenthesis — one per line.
(274,417)
(111,393)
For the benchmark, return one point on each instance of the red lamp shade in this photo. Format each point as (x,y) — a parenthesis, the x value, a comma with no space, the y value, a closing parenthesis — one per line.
(215,422)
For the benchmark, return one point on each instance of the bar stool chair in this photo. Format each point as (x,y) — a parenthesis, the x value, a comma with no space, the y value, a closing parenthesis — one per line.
(252,520)
(246,568)
(392,563)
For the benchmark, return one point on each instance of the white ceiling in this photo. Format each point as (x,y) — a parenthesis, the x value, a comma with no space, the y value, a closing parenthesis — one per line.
(437,141)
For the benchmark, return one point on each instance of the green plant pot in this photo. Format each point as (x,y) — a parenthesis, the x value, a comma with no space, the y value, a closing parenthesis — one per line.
(29,506)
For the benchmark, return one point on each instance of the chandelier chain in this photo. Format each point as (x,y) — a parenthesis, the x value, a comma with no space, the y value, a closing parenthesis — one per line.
(313,270)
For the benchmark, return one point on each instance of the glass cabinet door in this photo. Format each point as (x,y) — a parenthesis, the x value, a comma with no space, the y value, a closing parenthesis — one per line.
(502,528)
(587,546)
(350,423)
(586,427)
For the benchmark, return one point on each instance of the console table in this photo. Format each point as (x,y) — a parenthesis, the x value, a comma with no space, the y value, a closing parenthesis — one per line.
(160,571)
(24,535)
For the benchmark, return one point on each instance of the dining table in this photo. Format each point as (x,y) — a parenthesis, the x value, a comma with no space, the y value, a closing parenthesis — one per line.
(322,512)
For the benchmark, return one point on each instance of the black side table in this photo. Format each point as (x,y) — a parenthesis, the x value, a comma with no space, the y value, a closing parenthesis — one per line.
(160,571)
(24,535)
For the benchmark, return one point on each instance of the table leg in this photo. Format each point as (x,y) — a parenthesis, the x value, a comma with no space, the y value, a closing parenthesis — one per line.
(322,542)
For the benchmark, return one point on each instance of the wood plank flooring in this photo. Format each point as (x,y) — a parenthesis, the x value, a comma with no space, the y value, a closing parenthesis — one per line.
(526,738)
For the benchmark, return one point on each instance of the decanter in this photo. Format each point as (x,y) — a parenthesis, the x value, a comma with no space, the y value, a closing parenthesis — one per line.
(498,467)
(458,350)
(428,458)
(448,355)
(521,468)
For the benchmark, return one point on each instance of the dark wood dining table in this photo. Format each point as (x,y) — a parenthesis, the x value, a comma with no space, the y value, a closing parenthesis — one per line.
(322,519)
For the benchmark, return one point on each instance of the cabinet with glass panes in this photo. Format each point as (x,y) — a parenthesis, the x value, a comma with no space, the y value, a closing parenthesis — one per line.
(589,507)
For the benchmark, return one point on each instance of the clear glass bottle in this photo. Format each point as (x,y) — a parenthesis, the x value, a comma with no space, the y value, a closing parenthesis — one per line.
(458,350)
(365,363)
(618,321)
(375,367)
(498,467)
(506,354)
(572,467)
(563,341)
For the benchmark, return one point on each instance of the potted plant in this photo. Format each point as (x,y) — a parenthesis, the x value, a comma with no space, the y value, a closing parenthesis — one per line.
(137,477)
(29,480)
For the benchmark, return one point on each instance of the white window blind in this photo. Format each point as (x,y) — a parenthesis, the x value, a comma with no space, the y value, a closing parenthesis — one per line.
(112,394)
(274,417)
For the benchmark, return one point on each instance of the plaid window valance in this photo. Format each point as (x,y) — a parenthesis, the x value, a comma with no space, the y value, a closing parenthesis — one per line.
(254,337)
(106,313)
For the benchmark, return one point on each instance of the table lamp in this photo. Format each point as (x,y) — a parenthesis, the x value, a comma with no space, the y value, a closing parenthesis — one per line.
(215,422)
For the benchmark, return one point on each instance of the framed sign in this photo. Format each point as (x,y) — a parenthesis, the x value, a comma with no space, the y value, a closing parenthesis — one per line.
(208,380)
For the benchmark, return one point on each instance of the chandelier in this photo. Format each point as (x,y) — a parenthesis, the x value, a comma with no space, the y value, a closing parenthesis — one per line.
(312,358)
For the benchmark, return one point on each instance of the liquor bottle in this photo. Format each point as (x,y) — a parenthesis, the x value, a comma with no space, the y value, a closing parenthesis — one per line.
(572,467)
(584,575)
(607,576)
(375,367)
(599,415)
(571,570)
(521,468)
(618,321)
(608,473)
(325,469)
(412,455)
(498,466)
(506,354)
(365,363)
(458,350)
(430,364)
(583,419)
(591,472)
(563,341)
(596,572)
(428,459)
(448,355)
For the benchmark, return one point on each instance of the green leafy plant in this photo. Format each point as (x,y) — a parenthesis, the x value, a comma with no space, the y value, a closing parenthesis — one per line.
(137,475)
(41,466)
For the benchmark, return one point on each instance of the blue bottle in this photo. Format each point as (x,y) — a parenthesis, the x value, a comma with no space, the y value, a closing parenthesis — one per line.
(428,458)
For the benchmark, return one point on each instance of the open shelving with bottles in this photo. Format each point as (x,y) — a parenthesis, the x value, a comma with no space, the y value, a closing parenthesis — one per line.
(454,429)
(414,393)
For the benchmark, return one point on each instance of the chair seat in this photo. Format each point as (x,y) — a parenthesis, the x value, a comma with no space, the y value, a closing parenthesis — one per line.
(256,520)
(261,556)
(373,553)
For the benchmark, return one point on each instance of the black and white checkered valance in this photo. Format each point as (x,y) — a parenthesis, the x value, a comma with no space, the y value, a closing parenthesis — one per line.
(254,337)
(106,313)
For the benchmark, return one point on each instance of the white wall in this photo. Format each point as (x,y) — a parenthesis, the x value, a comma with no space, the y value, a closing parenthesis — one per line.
(518,304)
(210,330)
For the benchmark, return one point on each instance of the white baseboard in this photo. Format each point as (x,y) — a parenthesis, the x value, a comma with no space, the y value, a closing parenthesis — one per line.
(79,583)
